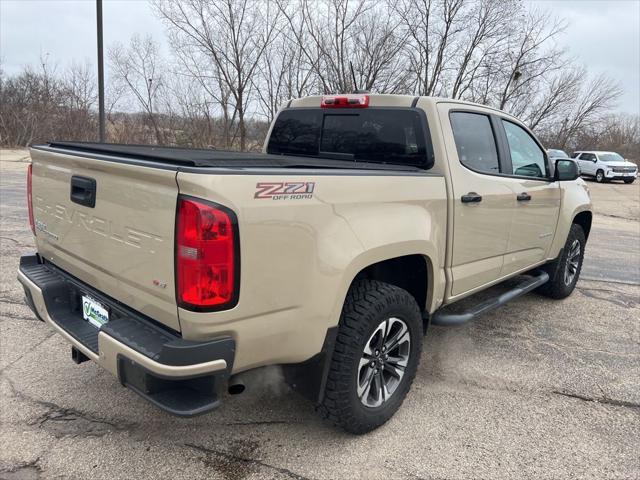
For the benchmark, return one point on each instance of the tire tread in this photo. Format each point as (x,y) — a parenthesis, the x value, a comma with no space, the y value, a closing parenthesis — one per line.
(555,287)
(365,300)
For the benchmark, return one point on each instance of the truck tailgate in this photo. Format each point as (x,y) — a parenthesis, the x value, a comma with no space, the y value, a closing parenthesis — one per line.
(123,244)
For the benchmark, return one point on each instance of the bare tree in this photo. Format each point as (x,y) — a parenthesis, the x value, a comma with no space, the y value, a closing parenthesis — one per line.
(29,105)
(232,34)
(214,97)
(620,133)
(138,67)
(595,100)
(78,88)
(432,27)
(528,60)
(548,105)
(377,44)
(487,30)
(334,36)
(233,63)
(283,73)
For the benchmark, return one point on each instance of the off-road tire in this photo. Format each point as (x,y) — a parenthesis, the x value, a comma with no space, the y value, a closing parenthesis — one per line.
(629,180)
(600,178)
(368,303)
(556,287)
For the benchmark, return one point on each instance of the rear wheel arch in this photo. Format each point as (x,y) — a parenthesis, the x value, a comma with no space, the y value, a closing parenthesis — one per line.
(409,272)
(413,273)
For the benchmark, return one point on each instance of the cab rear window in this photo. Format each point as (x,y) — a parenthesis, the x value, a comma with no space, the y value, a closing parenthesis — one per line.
(393,136)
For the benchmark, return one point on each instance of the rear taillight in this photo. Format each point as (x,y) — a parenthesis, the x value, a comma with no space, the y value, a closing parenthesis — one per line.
(207,257)
(345,101)
(30,198)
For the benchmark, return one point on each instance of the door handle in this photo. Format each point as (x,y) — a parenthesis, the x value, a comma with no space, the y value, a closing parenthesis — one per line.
(471,197)
(83,191)
(524,197)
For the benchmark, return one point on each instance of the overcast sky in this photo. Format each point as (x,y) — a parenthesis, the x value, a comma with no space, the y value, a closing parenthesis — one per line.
(603,35)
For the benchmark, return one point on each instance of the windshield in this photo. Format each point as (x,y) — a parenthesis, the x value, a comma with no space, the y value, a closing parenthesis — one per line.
(610,157)
(394,136)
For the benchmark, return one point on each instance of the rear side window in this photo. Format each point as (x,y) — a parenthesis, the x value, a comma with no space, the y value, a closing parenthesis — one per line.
(394,136)
(475,141)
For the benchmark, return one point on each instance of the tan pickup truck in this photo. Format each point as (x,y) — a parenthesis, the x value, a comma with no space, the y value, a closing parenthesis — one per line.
(329,254)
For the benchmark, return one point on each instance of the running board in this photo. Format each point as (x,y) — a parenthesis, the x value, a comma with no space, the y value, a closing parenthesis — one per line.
(444,319)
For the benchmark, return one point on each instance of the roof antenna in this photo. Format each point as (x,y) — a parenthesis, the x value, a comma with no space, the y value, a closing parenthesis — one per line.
(355,83)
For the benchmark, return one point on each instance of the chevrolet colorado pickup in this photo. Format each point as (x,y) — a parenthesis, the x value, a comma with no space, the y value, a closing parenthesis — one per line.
(329,254)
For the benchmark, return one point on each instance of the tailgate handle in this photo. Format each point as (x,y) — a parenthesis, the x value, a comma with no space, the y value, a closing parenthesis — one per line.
(83,191)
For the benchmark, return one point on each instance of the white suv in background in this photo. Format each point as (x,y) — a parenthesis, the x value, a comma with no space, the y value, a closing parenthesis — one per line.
(605,166)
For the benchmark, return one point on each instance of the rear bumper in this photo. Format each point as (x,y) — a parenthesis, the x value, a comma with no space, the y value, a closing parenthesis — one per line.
(183,377)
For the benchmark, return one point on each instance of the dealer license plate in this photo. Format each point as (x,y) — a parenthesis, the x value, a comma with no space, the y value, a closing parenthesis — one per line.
(94,312)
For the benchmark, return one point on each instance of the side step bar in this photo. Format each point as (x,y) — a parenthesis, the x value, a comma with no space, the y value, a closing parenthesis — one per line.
(444,319)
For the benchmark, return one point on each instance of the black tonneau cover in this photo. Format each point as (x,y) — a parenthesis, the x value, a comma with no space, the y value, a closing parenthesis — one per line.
(195,157)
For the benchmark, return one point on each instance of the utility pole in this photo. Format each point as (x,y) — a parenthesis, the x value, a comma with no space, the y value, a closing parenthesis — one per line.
(100,72)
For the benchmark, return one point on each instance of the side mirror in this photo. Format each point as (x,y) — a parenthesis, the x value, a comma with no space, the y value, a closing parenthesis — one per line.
(566,170)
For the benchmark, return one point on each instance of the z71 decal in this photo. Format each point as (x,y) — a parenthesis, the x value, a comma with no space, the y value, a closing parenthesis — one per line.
(284,190)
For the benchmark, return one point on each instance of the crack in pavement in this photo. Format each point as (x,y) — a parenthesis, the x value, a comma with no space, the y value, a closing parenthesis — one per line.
(614,297)
(527,392)
(530,340)
(608,280)
(606,290)
(612,215)
(9,301)
(604,400)
(23,471)
(25,159)
(258,422)
(47,337)
(15,316)
(238,460)
(564,349)
(414,476)
(16,242)
(68,422)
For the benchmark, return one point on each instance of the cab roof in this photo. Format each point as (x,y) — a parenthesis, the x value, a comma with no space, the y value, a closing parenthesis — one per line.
(382,100)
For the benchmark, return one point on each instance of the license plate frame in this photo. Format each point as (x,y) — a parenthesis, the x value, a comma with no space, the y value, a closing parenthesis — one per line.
(94,312)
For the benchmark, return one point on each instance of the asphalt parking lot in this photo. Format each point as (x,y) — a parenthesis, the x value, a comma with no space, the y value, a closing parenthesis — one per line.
(537,389)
